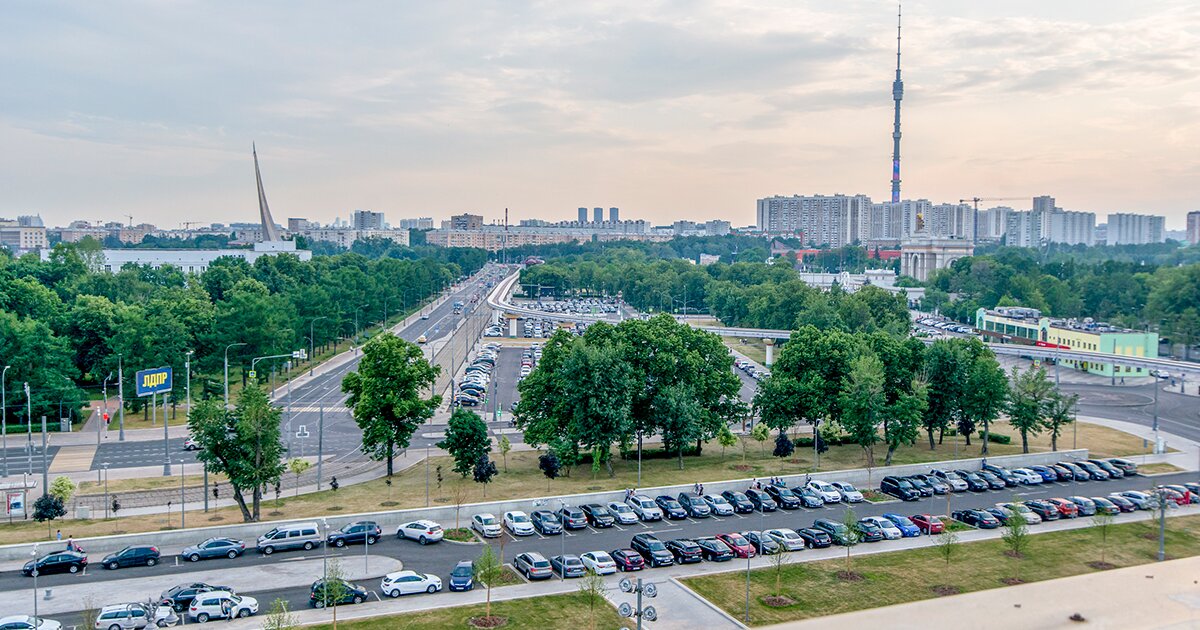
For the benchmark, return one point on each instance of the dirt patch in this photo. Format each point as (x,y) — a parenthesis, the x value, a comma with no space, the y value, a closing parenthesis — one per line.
(488,622)
(215,519)
(777,601)
(850,576)
(1150,536)
(742,467)
(1012,554)
(334,508)
(1101,566)
(1012,581)
(942,590)
(389,503)
(275,513)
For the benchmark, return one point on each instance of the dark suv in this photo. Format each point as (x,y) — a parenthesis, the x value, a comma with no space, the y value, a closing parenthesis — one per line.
(695,505)
(685,551)
(1005,474)
(783,497)
(653,550)
(598,516)
(572,517)
(670,507)
(900,488)
(335,592)
(131,557)
(357,532)
(838,532)
(761,500)
(741,504)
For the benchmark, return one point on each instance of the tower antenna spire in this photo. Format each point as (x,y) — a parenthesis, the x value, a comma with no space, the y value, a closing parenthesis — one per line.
(897,96)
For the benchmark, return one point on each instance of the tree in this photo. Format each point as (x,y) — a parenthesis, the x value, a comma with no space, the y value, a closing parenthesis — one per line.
(385,394)
(334,588)
(243,444)
(850,522)
(488,569)
(863,403)
(779,561)
(485,469)
(63,489)
(945,364)
(466,440)
(47,508)
(89,613)
(298,467)
(1060,411)
(1103,522)
(549,465)
(278,617)
(761,433)
(986,390)
(946,544)
(591,587)
(1016,538)
(902,418)
(783,446)
(726,438)
(1027,405)
(806,382)
(504,445)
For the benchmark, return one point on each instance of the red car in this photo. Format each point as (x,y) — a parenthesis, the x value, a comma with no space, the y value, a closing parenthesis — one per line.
(928,523)
(1174,496)
(628,559)
(1066,509)
(738,544)
(1186,492)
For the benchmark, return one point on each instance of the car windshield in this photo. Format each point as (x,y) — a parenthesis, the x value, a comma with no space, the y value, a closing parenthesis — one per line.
(952,475)
(600,510)
(655,545)
(738,496)
(717,500)
(837,527)
(848,487)
(648,504)
(487,520)
(737,540)
(519,518)
(621,508)
(790,535)
(464,570)
(904,483)
(784,492)
(602,557)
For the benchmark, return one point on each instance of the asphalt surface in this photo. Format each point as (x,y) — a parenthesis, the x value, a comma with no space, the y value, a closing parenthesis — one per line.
(19,458)
(440,558)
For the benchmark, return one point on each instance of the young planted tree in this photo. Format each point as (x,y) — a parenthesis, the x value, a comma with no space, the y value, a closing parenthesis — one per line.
(334,588)
(466,440)
(550,466)
(504,445)
(63,489)
(946,544)
(591,587)
(783,445)
(242,444)
(386,394)
(1028,402)
(47,508)
(761,433)
(850,522)
(298,467)
(779,562)
(488,569)
(278,617)
(726,439)
(1103,522)
(485,470)
(1016,538)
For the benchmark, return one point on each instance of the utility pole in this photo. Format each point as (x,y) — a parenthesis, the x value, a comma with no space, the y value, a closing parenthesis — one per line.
(320,440)
(4,414)
(29,427)
(240,343)
(45,464)
(120,400)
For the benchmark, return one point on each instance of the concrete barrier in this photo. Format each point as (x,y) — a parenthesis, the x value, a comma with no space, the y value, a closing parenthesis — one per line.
(173,541)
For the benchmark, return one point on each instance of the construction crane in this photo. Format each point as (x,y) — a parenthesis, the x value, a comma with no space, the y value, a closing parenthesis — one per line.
(975,219)
(130,217)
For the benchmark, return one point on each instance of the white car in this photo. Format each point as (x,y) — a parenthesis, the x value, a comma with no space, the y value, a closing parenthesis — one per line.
(952,479)
(848,492)
(718,505)
(408,582)
(644,507)
(890,531)
(518,523)
(787,538)
(623,513)
(599,562)
(486,525)
(422,531)
(210,605)
(26,622)
(827,492)
(1026,477)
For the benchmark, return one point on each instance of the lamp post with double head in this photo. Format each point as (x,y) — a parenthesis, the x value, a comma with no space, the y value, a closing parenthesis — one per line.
(312,343)
(240,343)
(4,414)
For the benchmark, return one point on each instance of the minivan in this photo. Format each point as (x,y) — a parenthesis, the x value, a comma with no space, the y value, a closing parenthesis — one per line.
(298,536)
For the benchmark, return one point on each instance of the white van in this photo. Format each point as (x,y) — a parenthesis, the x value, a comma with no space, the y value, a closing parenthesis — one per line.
(298,536)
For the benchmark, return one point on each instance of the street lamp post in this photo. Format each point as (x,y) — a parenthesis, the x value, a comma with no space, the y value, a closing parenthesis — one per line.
(356,310)
(104,467)
(312,343)
(103,424)
(182,506)
(120,400)
(29,427)
(240,343)
(4,414)
(35,576)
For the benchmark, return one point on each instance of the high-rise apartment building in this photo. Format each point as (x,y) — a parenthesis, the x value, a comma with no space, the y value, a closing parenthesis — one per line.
(835,220)
(1070,227)
(1193,227)
(1024,229)
(583,215)
(993,223)
(598,215)
(465,222)
(421,223)
(1135,229)
(366,220)
(614,215)
(948,219)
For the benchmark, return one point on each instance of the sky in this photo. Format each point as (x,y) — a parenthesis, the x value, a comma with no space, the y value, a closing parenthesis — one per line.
(667,109)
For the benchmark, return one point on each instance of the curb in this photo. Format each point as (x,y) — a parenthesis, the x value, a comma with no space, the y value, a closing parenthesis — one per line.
(715,608)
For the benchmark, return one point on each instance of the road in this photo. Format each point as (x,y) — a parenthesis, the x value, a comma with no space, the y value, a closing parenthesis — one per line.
(441,558)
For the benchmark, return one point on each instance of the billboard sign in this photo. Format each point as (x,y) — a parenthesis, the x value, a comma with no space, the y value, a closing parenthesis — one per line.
(155,381)
(15,503)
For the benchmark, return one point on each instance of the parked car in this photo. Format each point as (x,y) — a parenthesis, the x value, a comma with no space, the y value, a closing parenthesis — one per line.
(599,562)
(809,497)
(1031,517)
(628,560)
(644,507)
(1097,473)
(27,622)
(1009,478)
(783,497)
(1194,488)
(713,549)
(1045,509)
(622,513)
(518,524)
(868,530)
(1106,506)
(533,565)
(848,492)
(787,539)
(214,548)
(422,531)
(304,536)
(1127,467)
(214,604)
(56,562)
(718,505)
(1122,503)
(1114,472)
(128,616)
(685,551)
(568,566)
(923,487)
(1075,472)
(763,544)
(408,582)
(814,538)
(180,597)
(545,522)
(335,592)
(694,505)
(1086,506)
(840,534)
(900,488)
(357,532)
(131,556)
(952,479)
(670,507)
(761,500)
(572,517)
(1066,473)
(938,484)
(1066,508)
(907,528)
(976,518)
(1173,497)
(1026,476)
(1140,500)
(1048,474)
(928,523)
(1188,495)
(737,544)
(740,502)
(653,550)
(462,577)
(975,483)
(994,482)
(828,493)
(486,524)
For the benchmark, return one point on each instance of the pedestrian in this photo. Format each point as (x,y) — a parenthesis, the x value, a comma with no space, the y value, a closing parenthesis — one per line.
(226,609)
(701,493)
(58,535)
(70,543)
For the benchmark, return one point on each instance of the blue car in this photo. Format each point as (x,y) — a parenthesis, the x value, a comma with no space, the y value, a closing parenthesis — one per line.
(462,578)
(1047,473)
(906,527)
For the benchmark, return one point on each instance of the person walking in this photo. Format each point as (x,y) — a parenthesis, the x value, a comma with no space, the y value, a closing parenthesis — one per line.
(58,535)
(71,544)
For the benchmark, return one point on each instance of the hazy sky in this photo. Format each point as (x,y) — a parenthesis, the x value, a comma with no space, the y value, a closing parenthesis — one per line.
(669,110)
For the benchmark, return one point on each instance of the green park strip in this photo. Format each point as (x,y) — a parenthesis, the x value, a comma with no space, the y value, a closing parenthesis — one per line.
(534,613)
(816,589)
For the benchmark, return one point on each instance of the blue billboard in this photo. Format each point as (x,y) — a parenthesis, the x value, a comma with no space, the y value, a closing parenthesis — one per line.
(155,381)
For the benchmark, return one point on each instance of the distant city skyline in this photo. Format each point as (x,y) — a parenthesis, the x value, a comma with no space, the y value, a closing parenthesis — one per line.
(668,111)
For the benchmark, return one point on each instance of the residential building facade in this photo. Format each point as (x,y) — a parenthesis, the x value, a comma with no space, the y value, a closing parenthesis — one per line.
(1135,229)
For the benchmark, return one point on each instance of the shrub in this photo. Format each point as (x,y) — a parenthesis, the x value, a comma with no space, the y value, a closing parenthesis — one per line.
(998,438)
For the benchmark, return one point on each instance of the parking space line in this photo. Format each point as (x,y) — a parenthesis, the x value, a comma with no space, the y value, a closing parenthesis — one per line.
(619,527)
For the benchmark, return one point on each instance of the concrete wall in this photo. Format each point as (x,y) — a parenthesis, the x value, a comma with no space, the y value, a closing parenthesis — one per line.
(172,542)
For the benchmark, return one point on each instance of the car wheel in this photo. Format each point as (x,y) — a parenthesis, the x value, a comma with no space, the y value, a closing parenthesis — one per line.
(75,569)
(111,565)
(808,545)
(194,557)
(268,551)
(243,613)
(431,590)
(358,599)
(371,540)
(308,546)
(114,627)
(340,543)
(423,540)
(151,562)
(202,617)
(320,603)
(232,555)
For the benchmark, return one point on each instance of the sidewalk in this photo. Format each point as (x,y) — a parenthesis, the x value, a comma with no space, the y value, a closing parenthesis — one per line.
(1187,457)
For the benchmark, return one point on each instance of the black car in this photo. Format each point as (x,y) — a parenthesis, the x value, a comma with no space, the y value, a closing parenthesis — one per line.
(1097,473)
(568,566)
(993,480)
(1045,509)
(999,513)
(598,516)
(1065,472)
(181,596)
(921,486)
(1077,473)
(57,562)
(976,518)
(762,543)
(740,502)
(670,507)
(653,550)
(628,559)
(900,488)
(333,591)
(975,483)
(355,533)
(868,531)
(132,556)
(783,497)
(1010,479)
(809,497)
(837,531)
(694,505)
(761,500)
(1114,472)
(685,551)
(714,550)
(1126,467)
(936,484)
(815,538)
(572,517)
(545,522)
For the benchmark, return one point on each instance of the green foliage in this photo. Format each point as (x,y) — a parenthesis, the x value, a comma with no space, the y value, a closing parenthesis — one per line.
(466,440)
(726,439)
(998,438)
(863,401)
(278,617)
(1032,394)
(386,394)
(485,470)
(783,446)
(334,587)
(47,508)
(760,433)
(504,445)
(489,567)
(1103,522)
(63,489)
(946,544)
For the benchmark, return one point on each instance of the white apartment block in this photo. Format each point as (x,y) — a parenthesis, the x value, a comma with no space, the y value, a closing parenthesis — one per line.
(1193,227)
(993,222)
(1024,229)
(1135,229)
(953,220)
(836,220)
(1070,227)
(346,237)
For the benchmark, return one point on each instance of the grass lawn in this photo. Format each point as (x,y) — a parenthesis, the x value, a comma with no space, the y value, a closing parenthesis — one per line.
(752,348)
(146,483)
(460,534)
(904,576)
(536,613)
(1158,468)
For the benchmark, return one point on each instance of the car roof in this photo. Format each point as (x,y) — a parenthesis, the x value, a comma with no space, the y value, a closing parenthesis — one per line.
(404,573)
